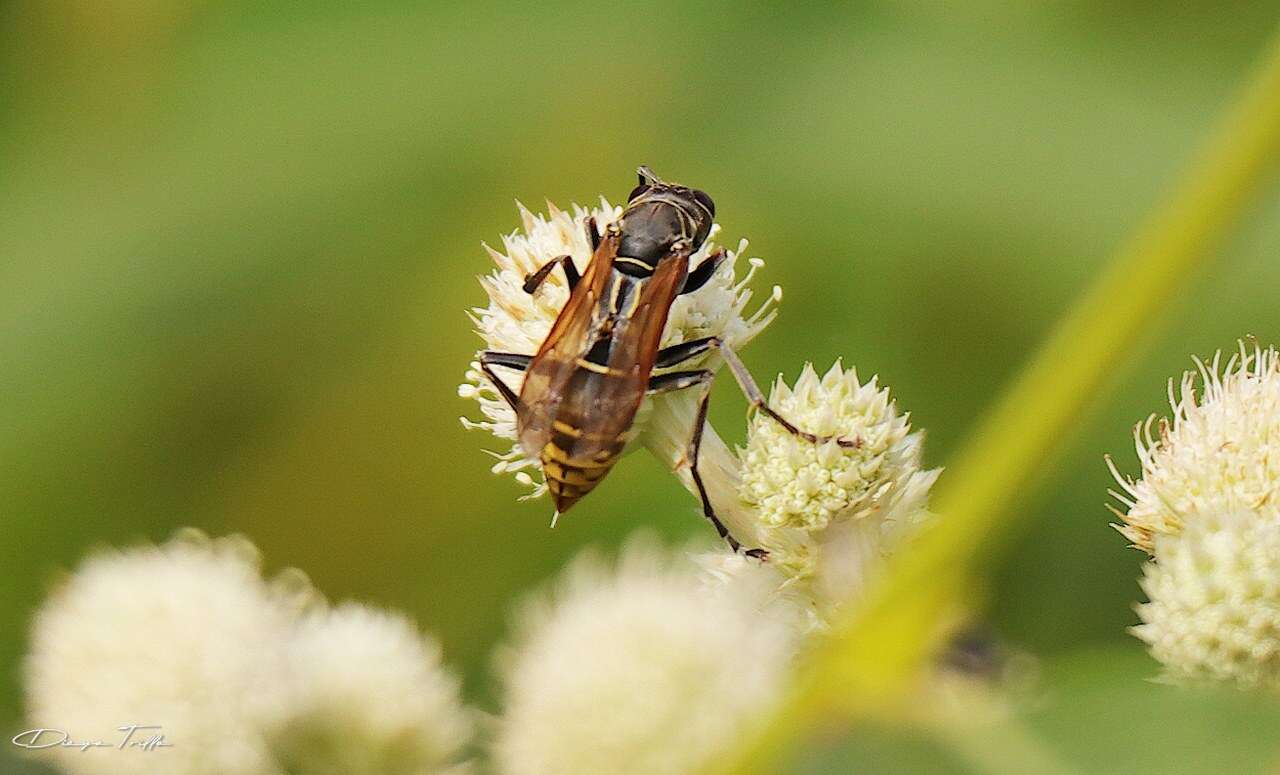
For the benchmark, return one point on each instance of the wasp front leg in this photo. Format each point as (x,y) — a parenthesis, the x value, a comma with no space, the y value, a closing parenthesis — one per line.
(535,279)
(489,359)
(680,380)
(703,272)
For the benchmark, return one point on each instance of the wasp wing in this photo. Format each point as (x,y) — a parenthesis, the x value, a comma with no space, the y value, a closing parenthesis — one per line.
(603,397)
(546,381)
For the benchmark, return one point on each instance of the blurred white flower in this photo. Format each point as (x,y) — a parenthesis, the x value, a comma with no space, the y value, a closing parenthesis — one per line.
(1204,510)
(828,513)
(368,695)
(184,636)
(515,321)
(642,669)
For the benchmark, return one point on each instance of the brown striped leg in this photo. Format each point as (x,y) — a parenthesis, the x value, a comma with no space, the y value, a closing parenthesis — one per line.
(489,359)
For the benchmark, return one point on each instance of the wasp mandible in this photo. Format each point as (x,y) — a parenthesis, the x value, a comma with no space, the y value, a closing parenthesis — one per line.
(583,387)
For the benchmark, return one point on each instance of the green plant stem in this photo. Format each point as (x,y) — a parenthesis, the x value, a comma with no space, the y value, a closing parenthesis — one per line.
(997,745)
(873,659)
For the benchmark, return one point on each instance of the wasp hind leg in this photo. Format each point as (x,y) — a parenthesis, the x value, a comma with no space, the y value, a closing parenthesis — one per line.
(678,353)
(489,359)
(535,279)
(679,380)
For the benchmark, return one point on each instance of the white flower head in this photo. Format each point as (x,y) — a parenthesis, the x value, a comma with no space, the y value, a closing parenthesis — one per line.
(1214,599)
(794,482)
(642,669)
(1219,453)
(1205,510)
(184,636)
(826,508)
(368,695)
(518,322)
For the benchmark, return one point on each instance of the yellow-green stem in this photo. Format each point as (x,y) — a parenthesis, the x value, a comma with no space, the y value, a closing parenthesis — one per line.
(873,659)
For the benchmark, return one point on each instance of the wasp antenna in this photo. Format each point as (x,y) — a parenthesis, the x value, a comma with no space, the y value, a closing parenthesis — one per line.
(555,517)
(647,176)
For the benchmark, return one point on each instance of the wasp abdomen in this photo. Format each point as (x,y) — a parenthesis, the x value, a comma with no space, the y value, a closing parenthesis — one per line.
(571,477)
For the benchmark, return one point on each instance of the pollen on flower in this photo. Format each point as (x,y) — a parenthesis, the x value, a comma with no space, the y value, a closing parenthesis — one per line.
(518,322)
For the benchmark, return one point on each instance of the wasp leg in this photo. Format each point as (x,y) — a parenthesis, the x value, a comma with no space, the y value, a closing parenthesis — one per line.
(679,380)
(593,233)
(489,359)
(757,400)
(535,279)
(517,361)
(703,272)
(678,353)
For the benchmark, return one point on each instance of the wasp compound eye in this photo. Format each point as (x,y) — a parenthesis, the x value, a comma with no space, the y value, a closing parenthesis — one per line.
(637,191)
(705,201)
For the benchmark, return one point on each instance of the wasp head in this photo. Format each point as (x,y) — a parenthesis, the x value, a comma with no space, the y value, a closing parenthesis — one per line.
(659,215)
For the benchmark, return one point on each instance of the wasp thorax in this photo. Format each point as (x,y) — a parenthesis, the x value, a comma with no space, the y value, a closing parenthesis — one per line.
(659,216)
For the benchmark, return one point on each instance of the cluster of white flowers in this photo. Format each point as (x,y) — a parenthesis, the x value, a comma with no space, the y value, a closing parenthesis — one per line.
(827,513)
(1205,510)
(245,676)
(682,651)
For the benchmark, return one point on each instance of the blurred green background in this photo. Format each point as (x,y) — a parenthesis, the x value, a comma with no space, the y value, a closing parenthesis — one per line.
(237,241)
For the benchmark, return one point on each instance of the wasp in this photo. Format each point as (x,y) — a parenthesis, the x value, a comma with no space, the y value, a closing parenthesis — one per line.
(583,387)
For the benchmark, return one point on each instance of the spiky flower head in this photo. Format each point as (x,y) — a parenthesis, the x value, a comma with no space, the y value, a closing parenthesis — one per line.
(1220,452)
(831,509)
(518,322)
(1205,510)
(368,695)
(182,635)
(644,668)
